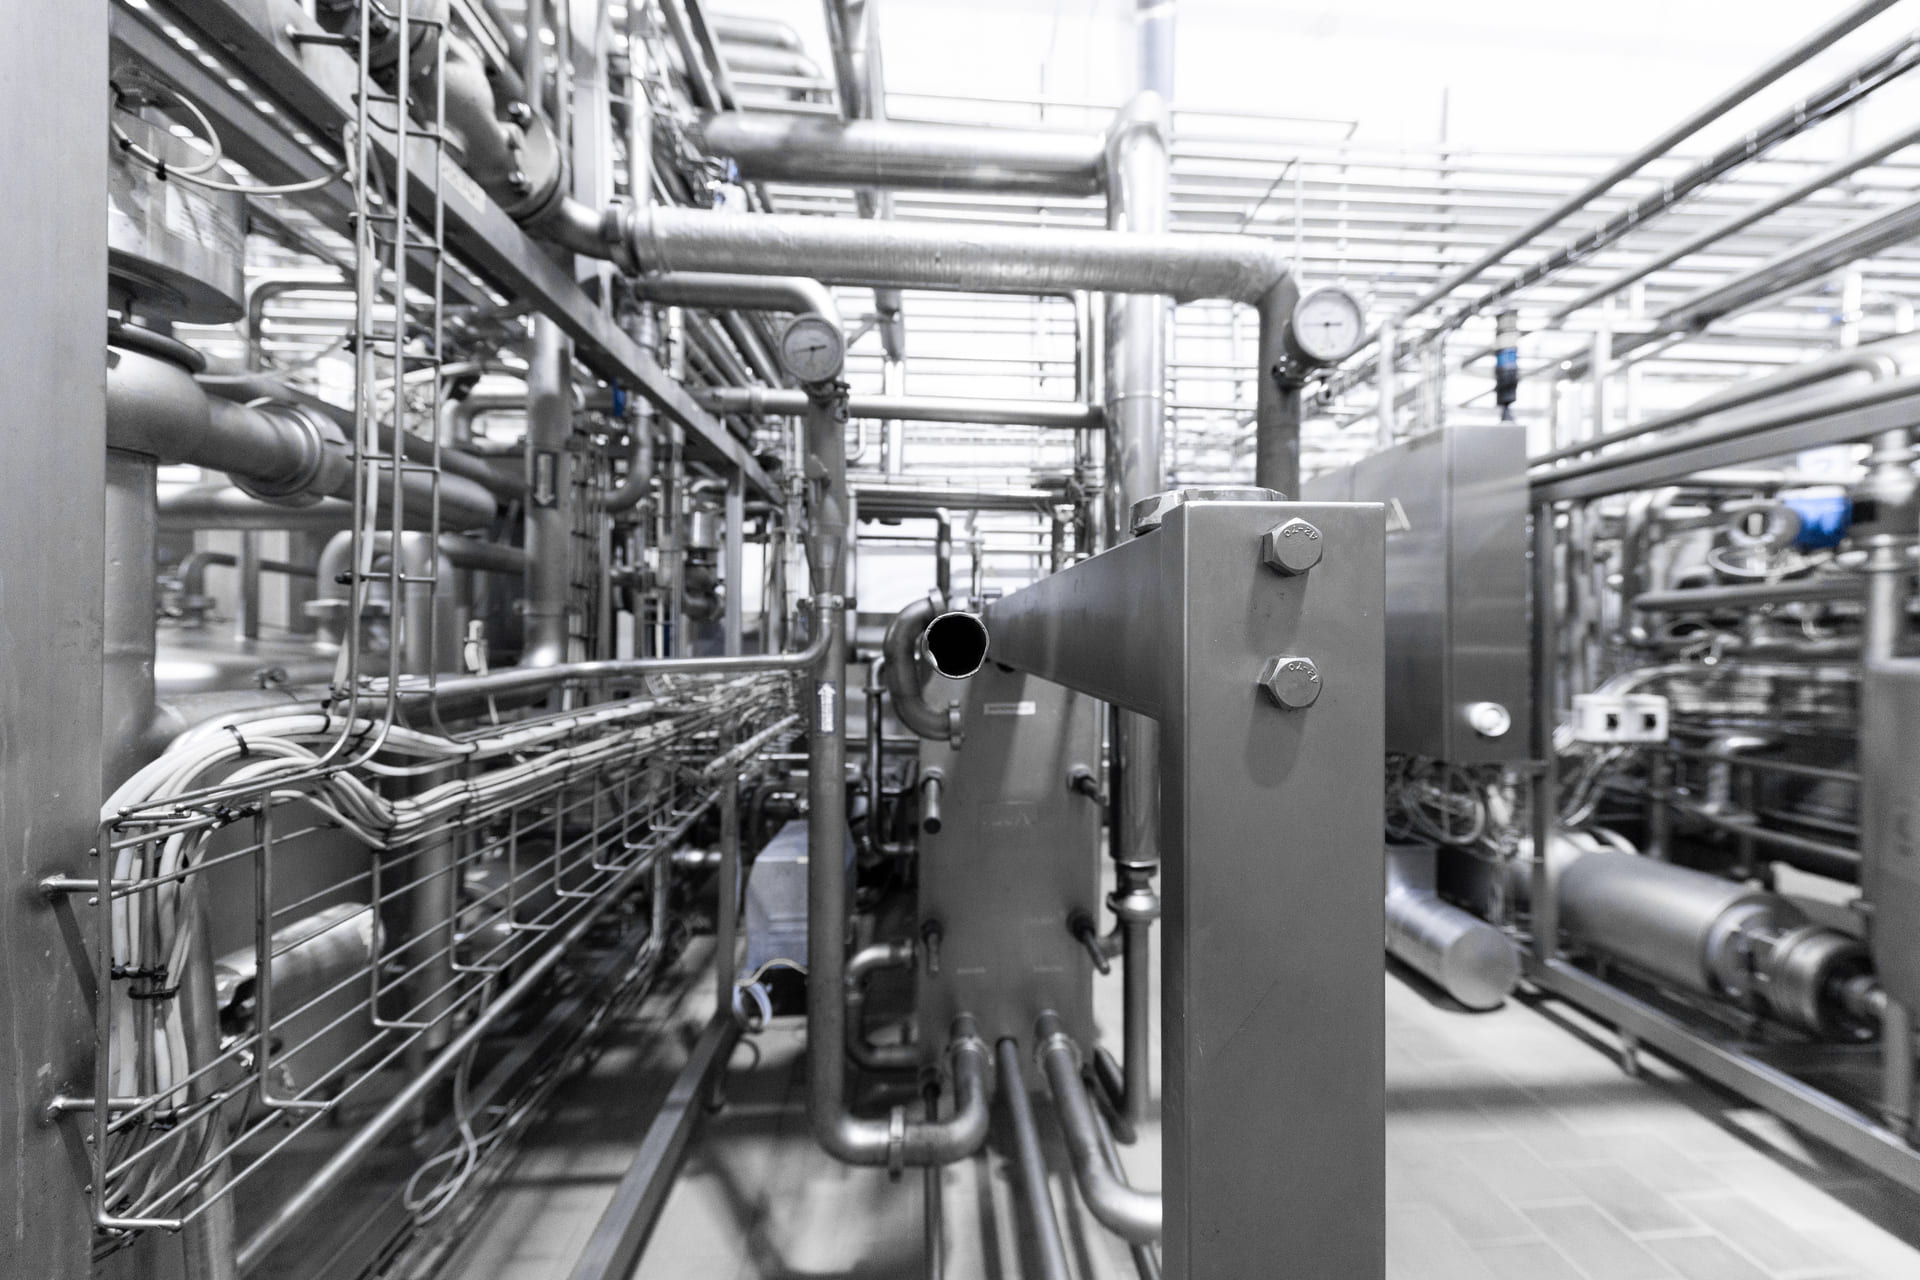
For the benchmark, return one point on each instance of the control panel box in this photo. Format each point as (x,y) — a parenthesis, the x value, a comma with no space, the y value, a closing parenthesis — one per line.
(1459,687)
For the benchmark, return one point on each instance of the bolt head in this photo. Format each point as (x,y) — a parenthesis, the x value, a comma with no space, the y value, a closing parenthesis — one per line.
(1292,547)
(1293,683)
(519,112)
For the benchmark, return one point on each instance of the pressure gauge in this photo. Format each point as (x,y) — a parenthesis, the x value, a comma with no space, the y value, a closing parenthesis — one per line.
(812,349)
(1327,326)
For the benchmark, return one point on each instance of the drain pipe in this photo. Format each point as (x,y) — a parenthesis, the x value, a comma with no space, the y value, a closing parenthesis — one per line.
(1133,1215)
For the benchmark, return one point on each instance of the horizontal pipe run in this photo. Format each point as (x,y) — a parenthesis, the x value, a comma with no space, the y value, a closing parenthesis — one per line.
(905,155)
(1764,763)
(1686,128)
(1798,591)
(1844,401)
(520,679)
(960,256)
(1054,414)
(1875,364)
(1133,1215)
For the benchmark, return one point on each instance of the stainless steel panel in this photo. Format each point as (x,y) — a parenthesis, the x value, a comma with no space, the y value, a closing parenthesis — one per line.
(53,66)
(1270,844)
(1456,586)
(1890,828)
(1017,854)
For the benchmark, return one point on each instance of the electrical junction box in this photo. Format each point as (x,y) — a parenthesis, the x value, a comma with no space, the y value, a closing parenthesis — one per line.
(1618,718)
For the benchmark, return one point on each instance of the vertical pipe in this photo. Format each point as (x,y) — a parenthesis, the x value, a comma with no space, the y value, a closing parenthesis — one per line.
(1139,182)
(1387,383)
(827,887)
(1545,719)
(1137,907)
(549,491)
(933,1233)
(249,620)
(1153,29)
(733,571)
(727,905)
(1030,1167)
(126,676)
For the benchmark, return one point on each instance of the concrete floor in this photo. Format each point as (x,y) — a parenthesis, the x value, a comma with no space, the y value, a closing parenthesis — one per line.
(1517,1150)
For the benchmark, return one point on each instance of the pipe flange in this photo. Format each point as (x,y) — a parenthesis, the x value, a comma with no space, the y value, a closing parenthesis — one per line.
(896,1142)
(324,467)
(1803,976)
(1728,962)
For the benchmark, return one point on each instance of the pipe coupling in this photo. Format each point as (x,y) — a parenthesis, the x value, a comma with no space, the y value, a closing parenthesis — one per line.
(325,466)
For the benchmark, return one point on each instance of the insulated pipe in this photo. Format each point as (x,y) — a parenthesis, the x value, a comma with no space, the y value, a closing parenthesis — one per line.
(901,646)
(777,401)
(1132,1215)
(279,452)
(768,33)
(1030,1167)
(935,255)
(550,483)
(904,156)
(1460,953)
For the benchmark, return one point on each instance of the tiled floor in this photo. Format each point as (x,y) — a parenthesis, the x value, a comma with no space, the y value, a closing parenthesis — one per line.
(1517,1150)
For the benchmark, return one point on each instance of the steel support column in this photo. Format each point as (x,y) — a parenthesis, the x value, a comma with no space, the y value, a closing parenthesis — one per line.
(1269,840)
(53,69)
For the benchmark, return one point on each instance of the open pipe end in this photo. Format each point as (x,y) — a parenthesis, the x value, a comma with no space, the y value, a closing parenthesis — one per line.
(956,644)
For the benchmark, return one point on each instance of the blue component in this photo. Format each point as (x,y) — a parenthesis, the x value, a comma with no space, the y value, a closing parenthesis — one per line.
(619,401)
(1507,358)
(1824,519)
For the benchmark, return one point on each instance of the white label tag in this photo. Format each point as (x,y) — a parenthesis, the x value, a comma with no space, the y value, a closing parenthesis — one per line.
(1010,709)
(826,707)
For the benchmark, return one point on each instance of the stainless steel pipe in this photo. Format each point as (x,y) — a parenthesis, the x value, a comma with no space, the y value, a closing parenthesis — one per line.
(904,156)
(1058,414)
(956,644)
(905,685)
(1030,1167)
(1130,1214)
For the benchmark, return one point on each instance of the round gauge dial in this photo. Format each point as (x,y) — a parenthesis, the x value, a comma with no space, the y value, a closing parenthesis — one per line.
(812,349)
(1328,325)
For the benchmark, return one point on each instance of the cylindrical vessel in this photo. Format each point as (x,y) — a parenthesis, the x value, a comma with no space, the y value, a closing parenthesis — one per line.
(1667,921)
(1465,956)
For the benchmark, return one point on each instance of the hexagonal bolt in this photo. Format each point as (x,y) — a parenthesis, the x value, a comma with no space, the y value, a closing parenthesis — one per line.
(1291,548)
(1293,683)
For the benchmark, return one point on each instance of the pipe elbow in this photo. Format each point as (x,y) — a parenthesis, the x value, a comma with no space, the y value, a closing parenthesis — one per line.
(897,1142)
(1134,1215)
(902,672)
